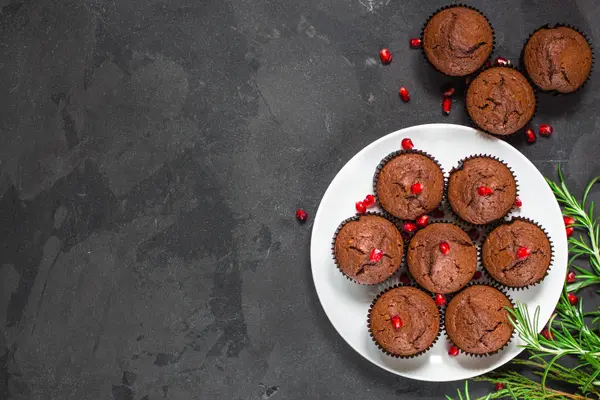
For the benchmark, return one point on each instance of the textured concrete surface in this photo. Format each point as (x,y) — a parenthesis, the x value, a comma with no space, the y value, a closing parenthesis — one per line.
(152,155)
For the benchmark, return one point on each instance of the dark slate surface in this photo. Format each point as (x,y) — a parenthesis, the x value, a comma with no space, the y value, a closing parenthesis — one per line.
(152,156)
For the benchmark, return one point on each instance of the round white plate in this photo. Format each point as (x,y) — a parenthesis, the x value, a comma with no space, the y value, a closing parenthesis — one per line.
(347,303)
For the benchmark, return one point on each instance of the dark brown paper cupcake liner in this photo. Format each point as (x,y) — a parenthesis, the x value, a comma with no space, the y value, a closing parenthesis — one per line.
(495,286)
(511,220)
(390,157)
(383,350)
(459,167)
(356,218)
(422,37)
(550,26)
(535,109)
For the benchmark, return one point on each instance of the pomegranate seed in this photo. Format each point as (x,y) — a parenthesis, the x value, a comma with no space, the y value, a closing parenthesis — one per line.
(453,352)
(416,188)
(572,298)
(376,255)
(500,386)
(518,203)
(546,130)
(571,277)
(501,61)
(449,92)
(530,134)
(369,200)
(422,221)
(404,94)
(415,43)
(301,215)
(409,227)
(570,231)
(407,144)
(474,234)
(484,191)
(546,333)
(446,105)
(437,213)
(477,275)
(385,55)
(404,279)
(523,253)
(396,322)
(444,248)
(360,207)
(568,220)
(440,300)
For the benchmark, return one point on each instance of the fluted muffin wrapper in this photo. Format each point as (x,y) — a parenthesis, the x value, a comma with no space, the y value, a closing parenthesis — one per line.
(460,166)
(356,217)
(512,302)
(505,222)
(422,37)
(550,26)
(389,158)
(383,350)
(535,94)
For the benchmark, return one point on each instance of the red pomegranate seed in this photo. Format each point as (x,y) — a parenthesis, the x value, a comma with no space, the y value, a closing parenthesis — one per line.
(446,105)
(301,215)
(474,234)
(571,278)
(396,322)
(530,134)
(444,248)
(449,92)
(568,220)
(484,191)
(407,144)
(440,300)
(416,188)
(500,386)
(415,43)
(546,333)
(360,207)
(422,221)
(570,231)
(453,351)
(546,130)
(385,55)
(369,200)
(404,279)
(523,253)
(437,213)
(518,203)
(501,61)
(572,298)
(477,275)
(404,94)
(409,227)
(376,255)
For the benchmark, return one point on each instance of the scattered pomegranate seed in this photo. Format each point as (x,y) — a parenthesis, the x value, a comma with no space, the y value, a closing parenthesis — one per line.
(376,255)
(477,275)
(571,277)
(416,188)
(437,213)
(404,94)
(501,61)
(530,134)
(572,298)
(546,333)
(385,55)
(360,207)
(570,231)
(409,227)
(369,200)
(422,221)
(446,105)
(444,248)
(449,92)
(500,386)
(415,43)
(546,130)
(518,203)
(396,322)
(484,191)
(568,220)
(523,253)
(301,215)
(404,279)
(440,300)
(474,234)
(407,144)
(453,351)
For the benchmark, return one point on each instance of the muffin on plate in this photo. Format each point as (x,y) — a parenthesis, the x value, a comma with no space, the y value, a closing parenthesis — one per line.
(481,190)
(404,321)
(442,258)
(517,253)
(476,320)
(409,184)
(368,248)
(558,59)
(500,101)
(457,40)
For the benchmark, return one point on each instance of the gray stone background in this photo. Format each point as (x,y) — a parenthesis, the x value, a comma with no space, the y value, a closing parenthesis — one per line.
(152,156)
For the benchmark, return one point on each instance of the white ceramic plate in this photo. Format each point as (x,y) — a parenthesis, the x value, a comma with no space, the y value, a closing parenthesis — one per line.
(347,303)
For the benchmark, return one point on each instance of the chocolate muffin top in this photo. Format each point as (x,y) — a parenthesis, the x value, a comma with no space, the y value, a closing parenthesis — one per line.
(558,59)
(500,101)
(500,257)
(356,240)
(457,41)
(476,320)
(436,271)
(464,190)
(419,316)
(394,182)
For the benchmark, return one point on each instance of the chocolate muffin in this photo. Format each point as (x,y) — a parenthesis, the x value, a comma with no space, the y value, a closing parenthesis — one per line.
(358,238)
(442,269)
(418,325)
(482,190)
(517,253)
(500,101)
(558,59)
(409,185)
(458,40)
(476,320)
